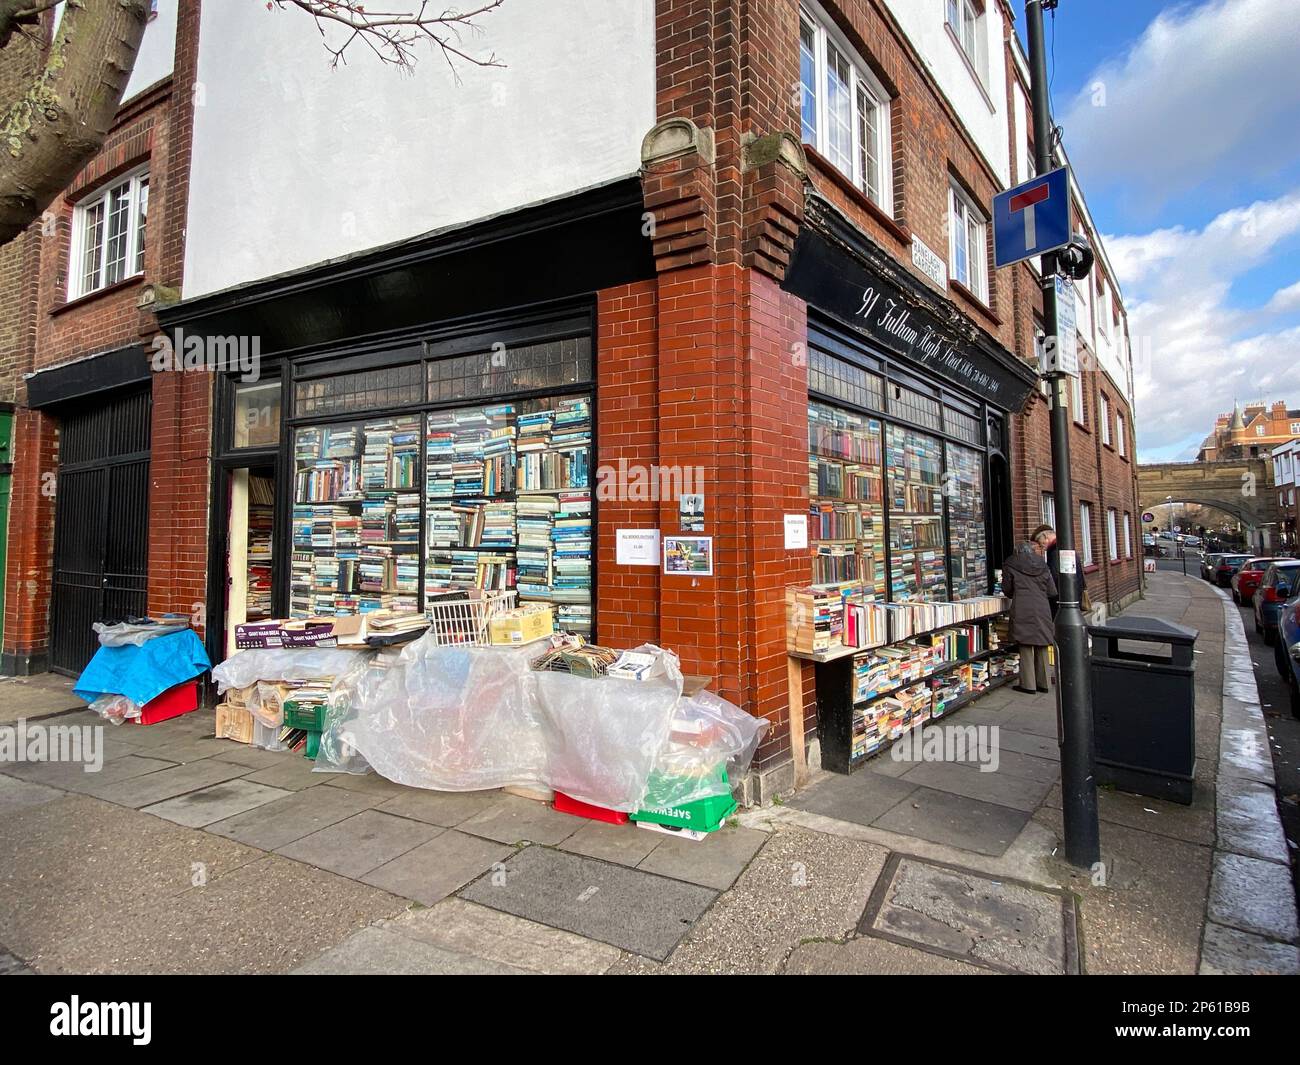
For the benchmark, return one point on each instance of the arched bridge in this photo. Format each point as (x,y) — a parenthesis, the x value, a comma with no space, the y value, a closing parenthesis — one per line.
(1240,487)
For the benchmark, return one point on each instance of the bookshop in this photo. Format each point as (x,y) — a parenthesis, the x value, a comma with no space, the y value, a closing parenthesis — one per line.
(909,495)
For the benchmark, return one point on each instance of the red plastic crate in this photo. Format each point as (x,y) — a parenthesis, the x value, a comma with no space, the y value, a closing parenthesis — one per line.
(181,699)
(568,805)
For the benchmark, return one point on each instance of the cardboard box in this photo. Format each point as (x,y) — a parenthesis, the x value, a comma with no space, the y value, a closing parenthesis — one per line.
(523,625)
(305,632)
(234,723)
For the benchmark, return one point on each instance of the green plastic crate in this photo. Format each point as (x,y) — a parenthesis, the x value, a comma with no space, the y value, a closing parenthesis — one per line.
(310,717)
(701,815)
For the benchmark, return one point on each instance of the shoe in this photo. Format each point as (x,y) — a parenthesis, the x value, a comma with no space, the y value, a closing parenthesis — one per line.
(1025,691)
(1044,689)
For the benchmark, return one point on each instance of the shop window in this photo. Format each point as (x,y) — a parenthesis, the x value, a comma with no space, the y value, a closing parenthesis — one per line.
(523,368)
(1085,533)
(345,393)
(913,406)
(967,243)
(963,486)
(844,110)
(256,421)
(843,381)
(108,235)
(508,501)
(917,564)
(963,426)
(846,498)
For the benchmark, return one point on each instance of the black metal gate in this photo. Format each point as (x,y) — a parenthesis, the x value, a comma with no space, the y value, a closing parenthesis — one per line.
(101,525)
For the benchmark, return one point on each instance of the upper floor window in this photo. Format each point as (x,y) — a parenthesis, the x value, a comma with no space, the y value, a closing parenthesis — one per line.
(1105,420)
(967,243)
(1295,428)
(844,110)
(1259,429)
(1121,433)
(966,19)
(108,235)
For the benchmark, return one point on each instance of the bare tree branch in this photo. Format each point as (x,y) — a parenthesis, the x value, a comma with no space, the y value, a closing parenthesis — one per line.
(394,35)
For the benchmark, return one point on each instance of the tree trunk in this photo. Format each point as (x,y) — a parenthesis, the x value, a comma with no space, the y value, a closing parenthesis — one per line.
(53,124)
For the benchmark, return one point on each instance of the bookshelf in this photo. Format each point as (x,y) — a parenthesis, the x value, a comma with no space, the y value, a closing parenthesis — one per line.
(967,546)
(868,699)
(261,523)
(846,499)
(917,553)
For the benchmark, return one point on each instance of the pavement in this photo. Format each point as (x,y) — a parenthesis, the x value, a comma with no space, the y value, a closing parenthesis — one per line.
(185,853)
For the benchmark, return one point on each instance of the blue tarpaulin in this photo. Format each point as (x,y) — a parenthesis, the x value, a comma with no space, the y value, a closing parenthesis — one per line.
(143,672)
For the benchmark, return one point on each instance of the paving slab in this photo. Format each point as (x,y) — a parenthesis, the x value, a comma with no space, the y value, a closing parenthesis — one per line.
(41,695)
(973,918)
(248,755)
(623,844)
(19,794)
(998,787)
(64,864)
(378,952)
(199,808)
(278,823)
(268,916)
(519,820)
(1244,752)
(1253,895)
(1025,764)
(358,844)
(801,886)
(1032,720)
(434,870)
(1232,952)
(166,783)
(446,808)
(868,955)
(75,777)
(364,782)
(1248,822)
(627,908)
(1194,823)
(955,820)
(293,773)
(859,798)
(466,929)
(713,862)
(189,748)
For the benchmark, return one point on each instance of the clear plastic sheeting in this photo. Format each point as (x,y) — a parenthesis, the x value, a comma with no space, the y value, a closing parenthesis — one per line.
(276,664)
(126,633)
(708,735)
(464,718)
(115,708)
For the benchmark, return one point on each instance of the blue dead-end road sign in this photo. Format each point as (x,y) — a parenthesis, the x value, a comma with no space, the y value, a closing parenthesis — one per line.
(1032,218)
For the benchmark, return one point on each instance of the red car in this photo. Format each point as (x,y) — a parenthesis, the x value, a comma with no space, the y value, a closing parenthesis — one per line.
(1247,580)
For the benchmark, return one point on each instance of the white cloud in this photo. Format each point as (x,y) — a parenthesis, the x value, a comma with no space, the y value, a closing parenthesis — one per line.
(1202,85)
(1194,354)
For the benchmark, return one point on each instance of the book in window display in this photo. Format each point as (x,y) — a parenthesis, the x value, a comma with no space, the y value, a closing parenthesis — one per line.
(967,552)
(918,556)
(846,499)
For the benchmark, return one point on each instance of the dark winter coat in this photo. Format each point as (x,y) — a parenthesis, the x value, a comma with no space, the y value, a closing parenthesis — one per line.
(1028,583)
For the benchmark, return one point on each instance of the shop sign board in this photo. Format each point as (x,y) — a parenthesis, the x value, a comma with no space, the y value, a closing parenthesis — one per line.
(914,325)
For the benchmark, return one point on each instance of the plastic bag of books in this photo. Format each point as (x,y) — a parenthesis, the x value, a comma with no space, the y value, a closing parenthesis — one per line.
(454,718)
(338,751)
(602,735)
(707,734)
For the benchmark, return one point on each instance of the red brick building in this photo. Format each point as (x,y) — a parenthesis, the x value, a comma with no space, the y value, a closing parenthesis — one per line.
(804,246)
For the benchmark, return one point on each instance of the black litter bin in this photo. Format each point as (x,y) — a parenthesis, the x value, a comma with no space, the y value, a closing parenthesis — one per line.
(1142,707)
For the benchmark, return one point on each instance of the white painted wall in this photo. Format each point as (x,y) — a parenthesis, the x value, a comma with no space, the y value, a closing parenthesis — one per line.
(924,23)
(157,52)
(295,163)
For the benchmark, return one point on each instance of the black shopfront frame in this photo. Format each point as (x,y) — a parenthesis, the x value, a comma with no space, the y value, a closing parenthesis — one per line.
(561,320)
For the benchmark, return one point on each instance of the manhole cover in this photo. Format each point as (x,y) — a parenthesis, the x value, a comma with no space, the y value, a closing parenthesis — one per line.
(1002,924)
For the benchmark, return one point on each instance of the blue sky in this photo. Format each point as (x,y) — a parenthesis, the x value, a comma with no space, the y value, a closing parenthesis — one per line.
(1182,121)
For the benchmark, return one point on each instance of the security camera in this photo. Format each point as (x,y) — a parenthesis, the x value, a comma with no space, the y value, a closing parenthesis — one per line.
(1076,258)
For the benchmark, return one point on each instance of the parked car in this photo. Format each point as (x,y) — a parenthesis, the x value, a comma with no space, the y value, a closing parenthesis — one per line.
(1225,566)
(1247,578)
(1208,563)
(1275,588)
(1286,649)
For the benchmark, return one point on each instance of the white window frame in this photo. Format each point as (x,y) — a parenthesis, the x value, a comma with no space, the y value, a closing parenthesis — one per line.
(1085,532)
(965,20)
(1076,399)
(1048,508)
(966,218)
(134,182)
(1112,534)
(1128,535)
(1104,415)
(1121,431)
(878,187)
